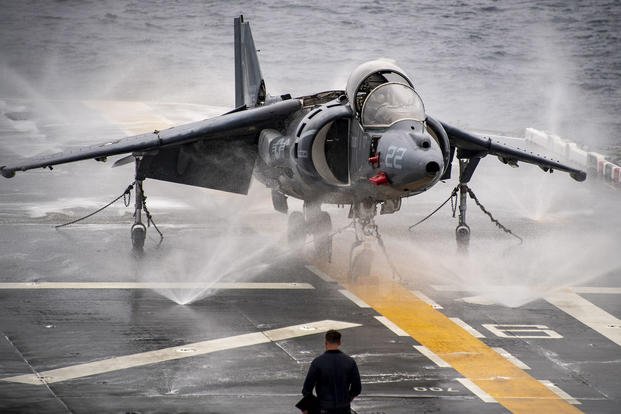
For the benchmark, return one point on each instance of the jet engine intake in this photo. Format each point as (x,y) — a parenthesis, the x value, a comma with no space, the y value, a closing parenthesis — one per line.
(321,143)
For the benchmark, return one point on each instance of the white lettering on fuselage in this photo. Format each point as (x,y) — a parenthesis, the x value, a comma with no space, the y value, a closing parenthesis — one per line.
(394,156)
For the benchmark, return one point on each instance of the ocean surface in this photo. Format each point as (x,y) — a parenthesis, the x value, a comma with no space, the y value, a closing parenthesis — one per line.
(484,65)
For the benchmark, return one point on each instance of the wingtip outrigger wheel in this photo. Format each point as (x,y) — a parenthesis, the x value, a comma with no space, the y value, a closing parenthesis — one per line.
(462,234)
(7,173)
(139,230)
(139,234)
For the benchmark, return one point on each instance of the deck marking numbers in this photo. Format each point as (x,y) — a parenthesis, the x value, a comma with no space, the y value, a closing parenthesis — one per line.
(522,331)
(434,389)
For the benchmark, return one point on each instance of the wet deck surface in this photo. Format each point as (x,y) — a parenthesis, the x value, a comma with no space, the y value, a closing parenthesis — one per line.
(60,343)
(47,329)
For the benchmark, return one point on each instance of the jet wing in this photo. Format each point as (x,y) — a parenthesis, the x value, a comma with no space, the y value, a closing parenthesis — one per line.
(477,146)
(228,127)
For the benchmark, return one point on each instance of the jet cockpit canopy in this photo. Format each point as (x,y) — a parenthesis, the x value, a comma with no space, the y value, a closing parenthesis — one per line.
(381,94)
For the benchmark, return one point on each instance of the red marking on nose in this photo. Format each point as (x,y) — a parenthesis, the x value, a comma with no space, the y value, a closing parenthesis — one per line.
(374,160)
(379,179)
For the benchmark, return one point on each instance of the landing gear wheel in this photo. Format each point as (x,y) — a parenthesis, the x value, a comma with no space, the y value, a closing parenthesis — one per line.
(139,233)
(296,230)
(462,234)
(322,238)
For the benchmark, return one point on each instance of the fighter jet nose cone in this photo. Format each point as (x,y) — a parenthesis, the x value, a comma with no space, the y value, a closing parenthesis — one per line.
(432,168)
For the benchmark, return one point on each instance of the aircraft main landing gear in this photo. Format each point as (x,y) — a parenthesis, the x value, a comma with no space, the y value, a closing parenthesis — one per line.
(312,222)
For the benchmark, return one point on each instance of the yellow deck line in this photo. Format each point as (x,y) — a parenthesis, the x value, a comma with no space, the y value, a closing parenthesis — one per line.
(510,386)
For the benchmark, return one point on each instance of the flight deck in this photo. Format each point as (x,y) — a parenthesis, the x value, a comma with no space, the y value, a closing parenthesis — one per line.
(223,317)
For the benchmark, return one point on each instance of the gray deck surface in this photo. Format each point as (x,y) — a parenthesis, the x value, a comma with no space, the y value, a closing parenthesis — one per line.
(213,238)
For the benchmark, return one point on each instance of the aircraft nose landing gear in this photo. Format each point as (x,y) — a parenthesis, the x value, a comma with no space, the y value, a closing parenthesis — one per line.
(363,215)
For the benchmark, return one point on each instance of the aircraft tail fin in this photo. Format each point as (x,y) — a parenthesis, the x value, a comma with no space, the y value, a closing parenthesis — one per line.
(249,84)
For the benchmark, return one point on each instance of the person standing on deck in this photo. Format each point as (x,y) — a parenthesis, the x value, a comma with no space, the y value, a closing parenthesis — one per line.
(334,376)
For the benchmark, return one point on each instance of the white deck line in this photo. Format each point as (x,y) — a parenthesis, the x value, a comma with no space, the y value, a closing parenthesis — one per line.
(392,326)
(560,392)
(153,285)
(575,289)
(593,316)
(432,356)
(322,275)
(468,328)
(426,299)
(177,352)
(596,289)
(506,355)
(354,298)
(476,390)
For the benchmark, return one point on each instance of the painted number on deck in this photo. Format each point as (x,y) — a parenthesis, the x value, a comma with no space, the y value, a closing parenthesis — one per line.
(522,331)
(434,389)
(394,156)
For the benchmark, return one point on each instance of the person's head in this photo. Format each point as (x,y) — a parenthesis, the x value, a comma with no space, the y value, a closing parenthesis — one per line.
(333,339)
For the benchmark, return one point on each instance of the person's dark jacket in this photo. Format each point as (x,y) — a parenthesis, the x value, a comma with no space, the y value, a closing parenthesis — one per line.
(336,379)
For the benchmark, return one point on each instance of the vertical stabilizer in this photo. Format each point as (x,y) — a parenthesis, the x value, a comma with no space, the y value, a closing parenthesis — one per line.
(249,85)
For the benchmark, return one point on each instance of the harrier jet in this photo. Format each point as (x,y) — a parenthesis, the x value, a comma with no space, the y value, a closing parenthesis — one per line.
(367,146)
